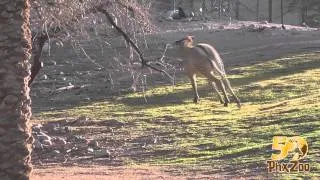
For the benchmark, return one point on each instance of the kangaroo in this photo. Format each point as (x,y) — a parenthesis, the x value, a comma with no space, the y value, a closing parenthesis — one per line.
(204,59)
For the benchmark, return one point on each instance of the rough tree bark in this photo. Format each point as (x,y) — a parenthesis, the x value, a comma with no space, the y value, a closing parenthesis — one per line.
(15,111)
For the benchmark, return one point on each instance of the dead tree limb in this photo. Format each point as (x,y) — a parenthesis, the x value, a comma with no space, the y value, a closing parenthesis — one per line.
(38,44)
(39,39)
(144,62)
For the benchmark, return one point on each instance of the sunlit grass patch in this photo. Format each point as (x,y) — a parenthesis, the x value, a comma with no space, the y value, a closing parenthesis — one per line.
(280,97)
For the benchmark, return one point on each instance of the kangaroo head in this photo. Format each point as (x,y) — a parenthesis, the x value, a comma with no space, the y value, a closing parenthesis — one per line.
(186,42)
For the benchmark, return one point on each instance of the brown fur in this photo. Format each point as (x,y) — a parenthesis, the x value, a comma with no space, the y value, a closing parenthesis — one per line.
(204,59)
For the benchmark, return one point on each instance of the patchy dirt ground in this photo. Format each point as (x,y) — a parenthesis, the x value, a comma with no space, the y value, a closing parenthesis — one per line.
(169,137)
(102,172)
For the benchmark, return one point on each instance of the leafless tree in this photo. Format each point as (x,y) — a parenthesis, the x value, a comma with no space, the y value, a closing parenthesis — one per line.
(70,20)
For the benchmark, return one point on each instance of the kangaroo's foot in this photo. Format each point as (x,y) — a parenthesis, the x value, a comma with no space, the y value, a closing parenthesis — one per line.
(196,99)
(238,103)
(226,102)
(237,100)
(221,101)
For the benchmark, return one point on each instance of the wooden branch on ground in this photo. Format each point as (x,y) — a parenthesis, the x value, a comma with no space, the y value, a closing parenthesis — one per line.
(70,87)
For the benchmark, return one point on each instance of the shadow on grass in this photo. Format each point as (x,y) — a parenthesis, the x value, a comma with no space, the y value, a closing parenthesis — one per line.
(74,98)
(165,138)
(266,73)
(287,69)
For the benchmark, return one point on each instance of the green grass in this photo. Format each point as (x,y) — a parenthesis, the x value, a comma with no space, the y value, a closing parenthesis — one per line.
(280,97)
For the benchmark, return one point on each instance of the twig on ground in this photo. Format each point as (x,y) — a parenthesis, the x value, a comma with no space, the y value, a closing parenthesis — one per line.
(70,87)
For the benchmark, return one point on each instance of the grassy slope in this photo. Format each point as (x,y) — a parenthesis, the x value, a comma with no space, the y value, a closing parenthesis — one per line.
(280,97)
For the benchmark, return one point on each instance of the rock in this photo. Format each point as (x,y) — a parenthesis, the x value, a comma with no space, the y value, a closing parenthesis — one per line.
(37,128)
(50,126)
(221,27)
(102,153)
(44,77)
(93,143)
(90,150)
(82,145)
(68,146)
(37,145)
(47,143)
(68,129)
(51,62)
(69,150)
(41,136)
(56,152)
(79,139)
(58,141)
(252,26)
(264,22)
(59,130)
(304,24)
(81,120)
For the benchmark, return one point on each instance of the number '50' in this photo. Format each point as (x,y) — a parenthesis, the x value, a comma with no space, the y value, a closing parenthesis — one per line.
(289,144)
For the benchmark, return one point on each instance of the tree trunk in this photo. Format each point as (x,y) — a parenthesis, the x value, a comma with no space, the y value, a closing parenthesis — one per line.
(258,10)
(237,9)
(220,8)
(281,9)
(192,6)
(37,47)
(15,111)
(270,11)
(303,11)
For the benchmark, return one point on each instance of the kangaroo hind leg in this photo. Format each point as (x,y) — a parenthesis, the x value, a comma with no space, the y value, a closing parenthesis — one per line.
(227,83)
(215,89)
(193,79)
(220,84)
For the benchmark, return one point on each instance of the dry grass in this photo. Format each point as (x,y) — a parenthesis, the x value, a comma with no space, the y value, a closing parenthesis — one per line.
(280,97)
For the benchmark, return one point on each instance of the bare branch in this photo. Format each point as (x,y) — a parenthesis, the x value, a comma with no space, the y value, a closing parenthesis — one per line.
(129,41)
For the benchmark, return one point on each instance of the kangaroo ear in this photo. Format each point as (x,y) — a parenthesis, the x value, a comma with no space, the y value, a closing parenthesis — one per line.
(189,38)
